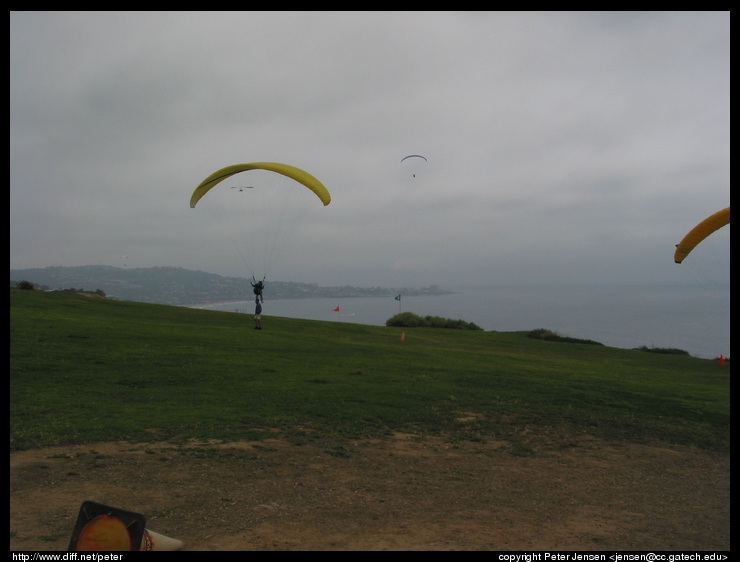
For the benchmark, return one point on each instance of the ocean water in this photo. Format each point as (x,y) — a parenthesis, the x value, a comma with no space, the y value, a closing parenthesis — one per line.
(695,319)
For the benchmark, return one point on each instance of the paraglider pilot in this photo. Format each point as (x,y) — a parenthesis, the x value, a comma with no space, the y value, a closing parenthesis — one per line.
(257,287)
(257,314)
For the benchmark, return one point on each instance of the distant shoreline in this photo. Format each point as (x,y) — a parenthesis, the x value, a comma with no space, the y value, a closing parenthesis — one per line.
(181,287)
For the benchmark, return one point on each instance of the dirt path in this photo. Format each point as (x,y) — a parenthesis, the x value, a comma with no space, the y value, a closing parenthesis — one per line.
(403,493)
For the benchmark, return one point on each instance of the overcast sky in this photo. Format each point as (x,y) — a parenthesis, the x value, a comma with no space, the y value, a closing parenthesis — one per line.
(566,148)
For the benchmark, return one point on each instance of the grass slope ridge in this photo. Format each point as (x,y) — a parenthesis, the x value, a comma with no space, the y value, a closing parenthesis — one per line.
(86,370)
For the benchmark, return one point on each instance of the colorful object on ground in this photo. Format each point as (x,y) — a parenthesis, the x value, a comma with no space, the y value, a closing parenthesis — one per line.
(104,532)
(101,528)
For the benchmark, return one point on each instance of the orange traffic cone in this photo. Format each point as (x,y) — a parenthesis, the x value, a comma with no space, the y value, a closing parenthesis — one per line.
(721,360)
(403,336)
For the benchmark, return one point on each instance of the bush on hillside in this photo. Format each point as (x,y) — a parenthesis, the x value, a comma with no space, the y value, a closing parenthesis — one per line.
(666,350)
(410,320)
(549,335)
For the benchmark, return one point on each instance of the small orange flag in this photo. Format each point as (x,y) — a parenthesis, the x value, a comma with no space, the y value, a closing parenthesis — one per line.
(721,359)
(336,309)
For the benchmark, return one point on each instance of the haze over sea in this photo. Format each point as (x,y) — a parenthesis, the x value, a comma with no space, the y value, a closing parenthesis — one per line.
(694,318)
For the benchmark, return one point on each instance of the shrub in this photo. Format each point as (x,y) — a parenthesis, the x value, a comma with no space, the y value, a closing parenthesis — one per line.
(549,335)
(410,320)
(25,285)
(666,350)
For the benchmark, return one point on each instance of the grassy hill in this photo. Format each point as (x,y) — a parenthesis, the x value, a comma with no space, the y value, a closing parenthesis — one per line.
(85,370)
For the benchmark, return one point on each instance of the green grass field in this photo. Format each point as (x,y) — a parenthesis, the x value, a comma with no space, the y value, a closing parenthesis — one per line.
(86,370)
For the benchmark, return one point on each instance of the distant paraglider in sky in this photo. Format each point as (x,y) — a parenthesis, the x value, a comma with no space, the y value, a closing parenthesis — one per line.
(695,236)
(414,162)
(413,156)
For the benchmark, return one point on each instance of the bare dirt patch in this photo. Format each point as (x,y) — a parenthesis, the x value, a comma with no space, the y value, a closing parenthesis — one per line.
(401,493)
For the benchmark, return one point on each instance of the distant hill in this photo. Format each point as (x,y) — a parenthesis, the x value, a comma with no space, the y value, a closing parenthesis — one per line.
(184,287)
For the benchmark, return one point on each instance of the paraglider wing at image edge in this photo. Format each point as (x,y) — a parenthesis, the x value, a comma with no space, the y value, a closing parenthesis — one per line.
(287,170)
(706,227)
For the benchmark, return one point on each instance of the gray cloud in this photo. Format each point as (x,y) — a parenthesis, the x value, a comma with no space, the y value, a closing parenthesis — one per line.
(570,147)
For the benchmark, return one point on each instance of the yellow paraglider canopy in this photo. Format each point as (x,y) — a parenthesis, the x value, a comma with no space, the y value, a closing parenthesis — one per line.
(287,170)
(277,199)
(706,227)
